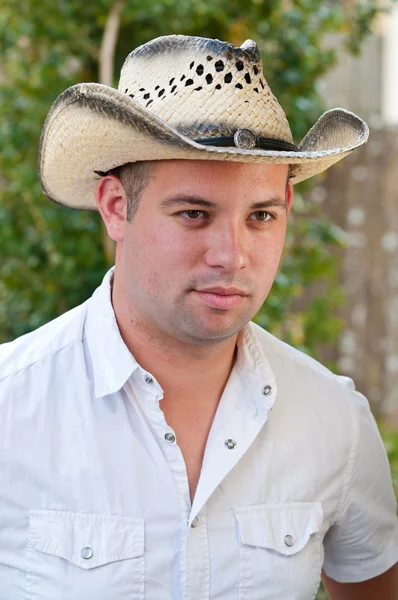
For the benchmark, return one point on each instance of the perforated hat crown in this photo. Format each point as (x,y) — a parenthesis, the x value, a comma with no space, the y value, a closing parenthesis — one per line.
(204,88)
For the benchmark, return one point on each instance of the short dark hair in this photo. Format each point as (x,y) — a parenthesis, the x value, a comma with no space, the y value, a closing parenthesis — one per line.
(134,178)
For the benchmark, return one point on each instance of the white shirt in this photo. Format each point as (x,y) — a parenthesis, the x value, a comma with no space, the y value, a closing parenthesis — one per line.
(94,497)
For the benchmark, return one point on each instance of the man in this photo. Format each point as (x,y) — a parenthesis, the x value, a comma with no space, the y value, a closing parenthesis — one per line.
(155,444)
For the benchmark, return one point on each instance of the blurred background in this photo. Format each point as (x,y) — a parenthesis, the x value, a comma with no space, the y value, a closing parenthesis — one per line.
(336,296)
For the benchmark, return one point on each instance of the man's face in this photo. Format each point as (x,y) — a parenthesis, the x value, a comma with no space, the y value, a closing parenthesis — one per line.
(202,251)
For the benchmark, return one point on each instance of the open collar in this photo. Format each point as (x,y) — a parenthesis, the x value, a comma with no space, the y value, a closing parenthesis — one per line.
(113,364)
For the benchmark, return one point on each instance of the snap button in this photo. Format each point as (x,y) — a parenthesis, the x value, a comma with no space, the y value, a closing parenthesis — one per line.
(86,553)
(289,540)
(169,437)
(148,379)
(267,390)
(195,522)
(230,444)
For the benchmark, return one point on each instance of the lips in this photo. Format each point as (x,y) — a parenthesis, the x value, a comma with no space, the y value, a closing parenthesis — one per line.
(233,291)
(221,298)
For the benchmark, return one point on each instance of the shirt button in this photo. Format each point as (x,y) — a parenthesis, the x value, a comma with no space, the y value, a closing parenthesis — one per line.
(195,522)
(148,379)
(230,444)
(267,390)
(289,540)
(86,553)
(169,437)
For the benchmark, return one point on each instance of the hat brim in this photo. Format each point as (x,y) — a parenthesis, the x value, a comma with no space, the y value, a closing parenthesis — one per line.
(94,128)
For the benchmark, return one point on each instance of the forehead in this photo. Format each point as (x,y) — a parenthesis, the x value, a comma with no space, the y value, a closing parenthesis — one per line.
(213,175)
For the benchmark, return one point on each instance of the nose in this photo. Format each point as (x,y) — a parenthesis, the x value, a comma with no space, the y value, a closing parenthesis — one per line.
(227,247)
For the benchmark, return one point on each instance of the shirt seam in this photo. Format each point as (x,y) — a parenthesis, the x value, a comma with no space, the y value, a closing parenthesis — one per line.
(349,471)
(40,358)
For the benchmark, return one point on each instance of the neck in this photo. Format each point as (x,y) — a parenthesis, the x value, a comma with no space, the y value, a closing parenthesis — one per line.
(178,366)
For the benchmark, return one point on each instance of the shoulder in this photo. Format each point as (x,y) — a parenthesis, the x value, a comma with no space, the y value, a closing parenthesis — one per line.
(281,354)
(43,343)
(306,379)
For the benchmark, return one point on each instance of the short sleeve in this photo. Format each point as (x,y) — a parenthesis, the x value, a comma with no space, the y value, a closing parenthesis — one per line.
(363,542)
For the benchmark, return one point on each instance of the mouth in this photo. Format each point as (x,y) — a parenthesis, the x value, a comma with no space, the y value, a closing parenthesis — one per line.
(221,291)
(221,298)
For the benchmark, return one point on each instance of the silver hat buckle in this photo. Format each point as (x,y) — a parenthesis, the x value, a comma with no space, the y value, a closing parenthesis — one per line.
(245,139)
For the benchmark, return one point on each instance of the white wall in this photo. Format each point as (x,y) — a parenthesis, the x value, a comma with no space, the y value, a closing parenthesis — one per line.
(355,82)
(368,84)
(389,96)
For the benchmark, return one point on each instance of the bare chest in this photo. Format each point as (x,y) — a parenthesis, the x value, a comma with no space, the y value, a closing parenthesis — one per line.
(192,429)
(193,452)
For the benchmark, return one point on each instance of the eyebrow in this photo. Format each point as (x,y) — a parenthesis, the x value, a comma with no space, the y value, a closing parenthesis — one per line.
(198,201)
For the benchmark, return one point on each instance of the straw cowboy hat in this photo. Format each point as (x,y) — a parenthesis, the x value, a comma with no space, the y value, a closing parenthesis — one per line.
(181,97)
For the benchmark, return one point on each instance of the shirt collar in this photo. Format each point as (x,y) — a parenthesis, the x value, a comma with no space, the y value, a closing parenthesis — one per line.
(252,372)
(113,364)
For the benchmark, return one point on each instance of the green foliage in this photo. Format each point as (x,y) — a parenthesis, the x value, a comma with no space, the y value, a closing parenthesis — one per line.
(390,438)
(52,258)
(300,307)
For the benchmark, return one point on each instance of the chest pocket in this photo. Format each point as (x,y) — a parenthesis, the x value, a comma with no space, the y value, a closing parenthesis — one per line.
(85,557)
(281,551)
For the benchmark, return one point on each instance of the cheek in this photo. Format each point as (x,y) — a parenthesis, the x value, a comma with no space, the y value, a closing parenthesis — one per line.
(271,244)
(267,257)
(170,248)
(161,255)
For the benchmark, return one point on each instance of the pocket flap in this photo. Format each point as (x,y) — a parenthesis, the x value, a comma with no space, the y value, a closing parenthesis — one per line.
(86,540)
(284,528)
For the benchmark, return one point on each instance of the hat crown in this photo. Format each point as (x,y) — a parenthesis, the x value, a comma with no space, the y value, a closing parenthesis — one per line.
(204,88)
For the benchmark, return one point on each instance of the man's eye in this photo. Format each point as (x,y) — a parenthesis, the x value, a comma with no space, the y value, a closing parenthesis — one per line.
(192,214)
(261,215)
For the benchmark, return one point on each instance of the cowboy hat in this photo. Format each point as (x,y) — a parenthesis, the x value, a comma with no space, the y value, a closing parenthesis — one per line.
(181,97)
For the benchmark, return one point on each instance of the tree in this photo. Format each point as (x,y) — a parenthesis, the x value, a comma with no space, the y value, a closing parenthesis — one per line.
(53,258)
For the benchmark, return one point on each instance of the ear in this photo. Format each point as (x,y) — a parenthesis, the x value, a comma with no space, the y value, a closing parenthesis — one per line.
(111,201)
(289,196)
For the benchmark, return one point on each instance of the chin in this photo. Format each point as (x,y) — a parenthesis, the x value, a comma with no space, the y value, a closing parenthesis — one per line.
(214,334)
